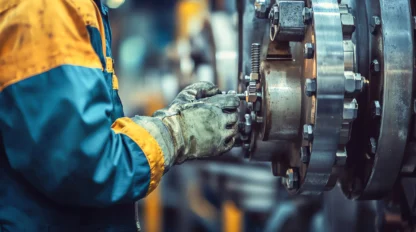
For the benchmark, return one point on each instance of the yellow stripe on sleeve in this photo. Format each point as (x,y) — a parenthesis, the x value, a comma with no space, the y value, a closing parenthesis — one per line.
(149,146)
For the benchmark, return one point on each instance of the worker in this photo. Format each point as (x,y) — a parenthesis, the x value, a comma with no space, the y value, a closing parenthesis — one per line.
(69,159)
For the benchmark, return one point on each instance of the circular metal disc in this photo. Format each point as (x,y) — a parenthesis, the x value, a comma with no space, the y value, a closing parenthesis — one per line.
(329,102)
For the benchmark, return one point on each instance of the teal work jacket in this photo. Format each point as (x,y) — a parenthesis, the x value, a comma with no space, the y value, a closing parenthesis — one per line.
(69,159)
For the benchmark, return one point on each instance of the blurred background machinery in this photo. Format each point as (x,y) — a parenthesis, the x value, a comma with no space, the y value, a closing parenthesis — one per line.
(327,106)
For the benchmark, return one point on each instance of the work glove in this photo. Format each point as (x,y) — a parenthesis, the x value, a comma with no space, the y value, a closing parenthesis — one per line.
(200,122)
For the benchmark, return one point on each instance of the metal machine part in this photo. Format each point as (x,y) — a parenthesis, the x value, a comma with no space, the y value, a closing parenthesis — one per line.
(331,90)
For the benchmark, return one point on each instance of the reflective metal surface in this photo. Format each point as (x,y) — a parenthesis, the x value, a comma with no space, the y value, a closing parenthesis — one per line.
(329,101)
(397,71)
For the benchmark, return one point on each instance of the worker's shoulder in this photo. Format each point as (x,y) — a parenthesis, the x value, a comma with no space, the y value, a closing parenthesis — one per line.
(52,11)
(39,35)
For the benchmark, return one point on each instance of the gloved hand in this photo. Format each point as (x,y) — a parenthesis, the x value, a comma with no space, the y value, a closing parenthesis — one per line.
(199,123)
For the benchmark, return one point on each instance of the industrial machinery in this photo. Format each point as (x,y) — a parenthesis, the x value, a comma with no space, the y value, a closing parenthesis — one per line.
(329,95)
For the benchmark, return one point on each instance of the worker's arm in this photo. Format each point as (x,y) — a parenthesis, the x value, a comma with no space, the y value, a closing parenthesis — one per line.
(55,115)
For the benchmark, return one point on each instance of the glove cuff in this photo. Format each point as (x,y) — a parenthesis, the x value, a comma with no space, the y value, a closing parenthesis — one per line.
(161,134)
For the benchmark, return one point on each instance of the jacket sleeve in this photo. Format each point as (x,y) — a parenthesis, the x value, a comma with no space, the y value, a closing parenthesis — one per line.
(55,113)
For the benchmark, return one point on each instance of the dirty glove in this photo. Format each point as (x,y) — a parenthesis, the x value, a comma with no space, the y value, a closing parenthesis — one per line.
(197,124)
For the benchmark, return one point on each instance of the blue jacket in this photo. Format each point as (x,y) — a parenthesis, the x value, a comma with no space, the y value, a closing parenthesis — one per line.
(69,159)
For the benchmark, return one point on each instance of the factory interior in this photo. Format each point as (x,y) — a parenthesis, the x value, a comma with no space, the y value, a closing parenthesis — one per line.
(326,123)
(247,189)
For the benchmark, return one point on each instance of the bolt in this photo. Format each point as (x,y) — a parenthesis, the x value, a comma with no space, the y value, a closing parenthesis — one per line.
(373,145)
(247,128)
(307,132)
(308,51)
(375,66)
(260,7)
(341,157)
(307,14)
(274,15)
(375,23)
(348,24)
(354,82)
(376,109)
(350,110)
(305,154)
(292,179)
(310,87)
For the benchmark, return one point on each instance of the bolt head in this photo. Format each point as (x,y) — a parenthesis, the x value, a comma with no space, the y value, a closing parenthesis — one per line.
(292,179)
(307,14)
(375,23)
(305,154)
(376,109)
(310,87)
(308,51)
(274,15)
(354,82)
(350,110)
(373,145)
(307,132)
(375,66)
(348,24)
(341,157)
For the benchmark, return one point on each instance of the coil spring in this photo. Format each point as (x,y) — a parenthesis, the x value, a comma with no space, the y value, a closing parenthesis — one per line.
(255,58)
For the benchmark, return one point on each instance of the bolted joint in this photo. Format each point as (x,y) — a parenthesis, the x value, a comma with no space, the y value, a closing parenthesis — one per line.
(292,179)
(310,87)
(376,109)
(305,154)
(375,23)
(354,82)
(308,132)
(350,110)
(308,51)
(261,8)
(307,14)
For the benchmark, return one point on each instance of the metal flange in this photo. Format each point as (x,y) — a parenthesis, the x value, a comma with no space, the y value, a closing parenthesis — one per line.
(327,106)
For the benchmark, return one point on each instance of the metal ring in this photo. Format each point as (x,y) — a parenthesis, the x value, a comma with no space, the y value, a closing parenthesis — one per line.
(329,96)
(397,35)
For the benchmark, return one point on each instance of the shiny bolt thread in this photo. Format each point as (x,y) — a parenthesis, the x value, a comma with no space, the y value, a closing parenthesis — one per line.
(255,58)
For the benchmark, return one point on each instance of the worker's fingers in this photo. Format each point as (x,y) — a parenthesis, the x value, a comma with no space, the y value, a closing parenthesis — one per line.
(226,102)
(231,120)
(203,89)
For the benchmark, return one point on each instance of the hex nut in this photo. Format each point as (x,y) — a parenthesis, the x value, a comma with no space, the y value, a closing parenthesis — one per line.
(348,24)
(308,51)
(292,179)
(341,157)
(308,132)
(310,87)
(305,154)
(375,66)
(375,23)
(354,82)
(373,145)
(376,109)
(307,14)
(350,110)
